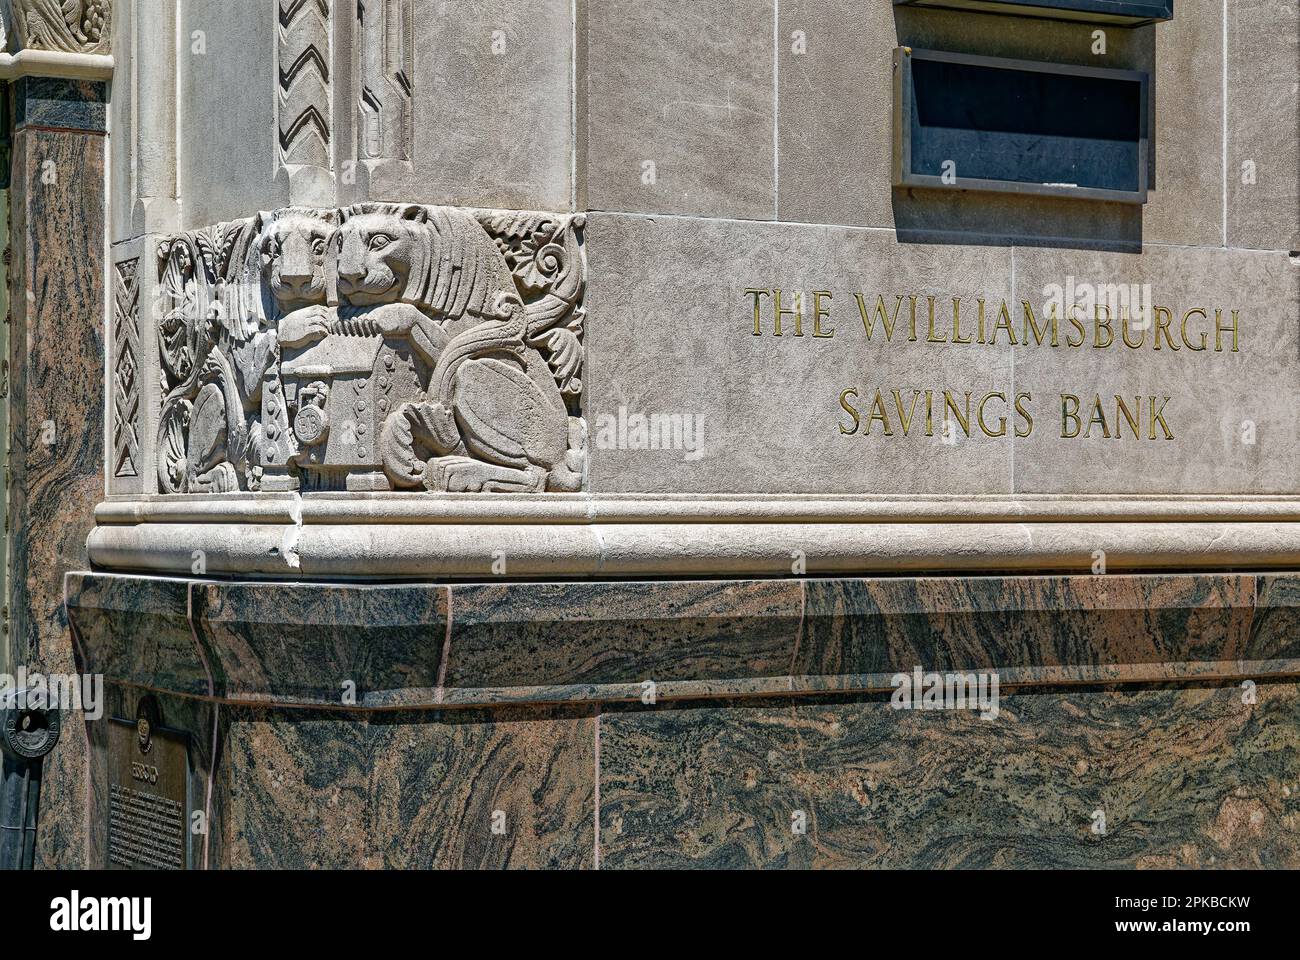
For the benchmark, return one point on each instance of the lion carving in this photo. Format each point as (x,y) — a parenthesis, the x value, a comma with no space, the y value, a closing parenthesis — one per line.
(375,347)
(492,417)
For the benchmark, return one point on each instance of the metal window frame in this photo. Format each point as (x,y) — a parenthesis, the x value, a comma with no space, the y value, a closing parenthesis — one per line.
(1126,13)
(904,99)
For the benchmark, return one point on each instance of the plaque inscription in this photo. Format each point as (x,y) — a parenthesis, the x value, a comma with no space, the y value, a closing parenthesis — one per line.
(148,803)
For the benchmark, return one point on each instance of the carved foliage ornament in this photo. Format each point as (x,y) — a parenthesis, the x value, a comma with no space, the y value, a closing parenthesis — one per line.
(377,347)
(68,26)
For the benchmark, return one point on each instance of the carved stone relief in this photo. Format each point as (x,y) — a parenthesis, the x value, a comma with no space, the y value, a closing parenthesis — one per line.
(377,347)
(126,369)
(69,26)
(385,34)
(303,105)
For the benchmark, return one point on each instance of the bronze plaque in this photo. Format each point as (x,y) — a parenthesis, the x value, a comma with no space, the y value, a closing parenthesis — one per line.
(149,806)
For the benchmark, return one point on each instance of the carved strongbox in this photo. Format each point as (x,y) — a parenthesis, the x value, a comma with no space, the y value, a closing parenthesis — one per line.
(343,388)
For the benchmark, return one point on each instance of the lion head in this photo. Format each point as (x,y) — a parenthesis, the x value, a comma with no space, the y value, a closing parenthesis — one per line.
(382,251)
(294,246)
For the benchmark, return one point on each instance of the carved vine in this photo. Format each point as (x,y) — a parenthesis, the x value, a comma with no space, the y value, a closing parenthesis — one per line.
(68,26)
(377,347)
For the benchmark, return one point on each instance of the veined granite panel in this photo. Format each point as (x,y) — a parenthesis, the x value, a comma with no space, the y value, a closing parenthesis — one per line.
(323,644)
(769,739)
(297,645)
(1275,628)
(891,625)
(463,789)
(537,637)
(60,104)
(136,630)
(1177,778)
(57,424)
(56,441)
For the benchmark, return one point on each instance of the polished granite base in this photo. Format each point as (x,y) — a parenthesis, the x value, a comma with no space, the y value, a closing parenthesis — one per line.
(713,723)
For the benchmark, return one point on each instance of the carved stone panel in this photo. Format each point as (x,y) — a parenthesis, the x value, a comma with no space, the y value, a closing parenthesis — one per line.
(385,32)
(68,26)
(126,369)
(376,347)
(303,106)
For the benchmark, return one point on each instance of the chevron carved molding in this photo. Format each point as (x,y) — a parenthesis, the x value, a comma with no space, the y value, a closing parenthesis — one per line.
(303,118)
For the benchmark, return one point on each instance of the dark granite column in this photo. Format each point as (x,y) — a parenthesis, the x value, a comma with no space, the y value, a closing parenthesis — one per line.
(56,276)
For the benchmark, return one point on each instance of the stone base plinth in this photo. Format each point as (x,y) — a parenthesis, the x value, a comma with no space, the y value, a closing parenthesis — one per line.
(711,723)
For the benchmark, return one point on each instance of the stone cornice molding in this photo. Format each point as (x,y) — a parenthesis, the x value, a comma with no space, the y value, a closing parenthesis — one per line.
(394,535)
(49,63)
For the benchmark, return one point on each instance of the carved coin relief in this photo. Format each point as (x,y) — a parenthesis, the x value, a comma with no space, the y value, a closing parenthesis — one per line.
(377,347)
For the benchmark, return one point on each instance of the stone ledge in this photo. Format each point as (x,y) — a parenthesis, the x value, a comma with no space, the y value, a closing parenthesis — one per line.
(431,646)
(381,508)
(53,63)
(396,550)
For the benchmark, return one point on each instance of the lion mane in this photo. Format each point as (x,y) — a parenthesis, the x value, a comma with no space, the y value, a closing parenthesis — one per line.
(454,268)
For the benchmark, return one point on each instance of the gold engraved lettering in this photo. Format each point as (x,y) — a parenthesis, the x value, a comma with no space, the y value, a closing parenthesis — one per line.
(819,311)
(758,320)
(850,410)
(1164,317)
(1069,412)
(1031,325)
(956,322)
(1002,421)
(797,313)
(1195,311)
(886,320)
